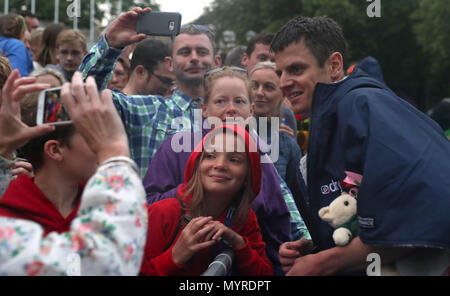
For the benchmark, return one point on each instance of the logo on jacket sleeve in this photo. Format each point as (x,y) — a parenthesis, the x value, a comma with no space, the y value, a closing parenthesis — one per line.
(332,187)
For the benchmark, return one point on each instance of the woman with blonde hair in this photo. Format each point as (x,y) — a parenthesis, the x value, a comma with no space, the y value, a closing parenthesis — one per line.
(269,104)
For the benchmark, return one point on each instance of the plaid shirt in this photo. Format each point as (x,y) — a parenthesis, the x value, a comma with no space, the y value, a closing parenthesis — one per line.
(149,119)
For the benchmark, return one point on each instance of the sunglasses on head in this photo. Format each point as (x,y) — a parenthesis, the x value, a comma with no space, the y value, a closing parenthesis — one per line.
(198,27)
(218,69)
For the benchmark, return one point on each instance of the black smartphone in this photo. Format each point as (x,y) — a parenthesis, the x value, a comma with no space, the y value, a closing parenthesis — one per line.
(159,23)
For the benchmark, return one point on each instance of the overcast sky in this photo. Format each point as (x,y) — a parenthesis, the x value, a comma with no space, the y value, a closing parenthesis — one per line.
(189,9)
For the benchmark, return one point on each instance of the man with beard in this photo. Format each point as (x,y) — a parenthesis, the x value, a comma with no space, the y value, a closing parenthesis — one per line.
(148,119)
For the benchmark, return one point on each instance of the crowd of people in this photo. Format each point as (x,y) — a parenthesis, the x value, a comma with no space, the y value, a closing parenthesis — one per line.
(173,156)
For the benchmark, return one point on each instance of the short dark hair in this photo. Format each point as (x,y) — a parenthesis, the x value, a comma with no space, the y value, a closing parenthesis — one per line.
(33,151)
(148,53)
(321,35)
(263,38)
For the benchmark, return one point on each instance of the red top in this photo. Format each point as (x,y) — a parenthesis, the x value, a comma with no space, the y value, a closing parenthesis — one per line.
(164,215)
(24,200)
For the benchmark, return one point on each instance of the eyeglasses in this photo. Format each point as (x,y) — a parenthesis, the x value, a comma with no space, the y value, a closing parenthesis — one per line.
(164,80)
(216,70)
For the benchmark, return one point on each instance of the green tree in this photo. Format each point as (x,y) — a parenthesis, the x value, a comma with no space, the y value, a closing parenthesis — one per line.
(400,39)
(431,24)
(129,4)
(45,10)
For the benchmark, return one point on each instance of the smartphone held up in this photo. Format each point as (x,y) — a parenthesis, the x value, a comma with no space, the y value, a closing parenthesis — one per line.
(51,108)
(159,23)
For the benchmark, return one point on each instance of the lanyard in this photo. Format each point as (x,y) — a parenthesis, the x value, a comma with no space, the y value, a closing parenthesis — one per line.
(229,218)
(223,245)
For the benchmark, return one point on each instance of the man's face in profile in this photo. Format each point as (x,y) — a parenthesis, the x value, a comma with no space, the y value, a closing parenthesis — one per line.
(299,73)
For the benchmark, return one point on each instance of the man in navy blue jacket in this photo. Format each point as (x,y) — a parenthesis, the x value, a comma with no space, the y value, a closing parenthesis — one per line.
(361,126)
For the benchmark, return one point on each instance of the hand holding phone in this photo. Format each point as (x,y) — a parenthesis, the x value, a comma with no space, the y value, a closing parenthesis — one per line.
(122,31)
(14,133)
(95,117)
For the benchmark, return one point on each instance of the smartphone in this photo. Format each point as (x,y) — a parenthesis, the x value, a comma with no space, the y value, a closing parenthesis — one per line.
(51,109)
(159,23)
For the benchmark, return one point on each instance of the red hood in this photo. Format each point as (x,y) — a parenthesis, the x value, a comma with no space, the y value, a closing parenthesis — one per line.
(24,200)
(250,145)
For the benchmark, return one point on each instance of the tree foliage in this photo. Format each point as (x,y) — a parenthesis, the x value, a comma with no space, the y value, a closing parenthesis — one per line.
(431,24)
(45,9)
(410,39)
(129,4)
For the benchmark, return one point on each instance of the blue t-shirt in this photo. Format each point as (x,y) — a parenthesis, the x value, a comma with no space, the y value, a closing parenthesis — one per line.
(17,54)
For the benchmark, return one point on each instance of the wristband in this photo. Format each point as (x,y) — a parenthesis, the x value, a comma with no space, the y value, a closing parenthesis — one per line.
(122,159)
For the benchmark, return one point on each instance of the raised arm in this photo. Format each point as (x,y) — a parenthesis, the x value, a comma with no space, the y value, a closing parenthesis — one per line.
(14,133)
(108,235)
(101,59)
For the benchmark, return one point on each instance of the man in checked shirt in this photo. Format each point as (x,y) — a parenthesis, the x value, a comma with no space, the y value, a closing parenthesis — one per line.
(148,120)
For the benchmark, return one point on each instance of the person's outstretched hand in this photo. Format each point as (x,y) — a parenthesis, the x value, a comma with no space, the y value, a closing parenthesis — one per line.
(95,118)
(290,251)
(14,133)
(122,31)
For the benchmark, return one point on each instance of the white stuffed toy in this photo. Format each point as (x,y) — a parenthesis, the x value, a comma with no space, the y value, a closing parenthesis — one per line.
(341,214)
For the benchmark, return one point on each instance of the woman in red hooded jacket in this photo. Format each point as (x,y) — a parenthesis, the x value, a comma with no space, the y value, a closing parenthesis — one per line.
(219,185)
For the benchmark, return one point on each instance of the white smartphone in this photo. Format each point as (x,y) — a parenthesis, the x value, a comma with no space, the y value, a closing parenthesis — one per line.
(50,108)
